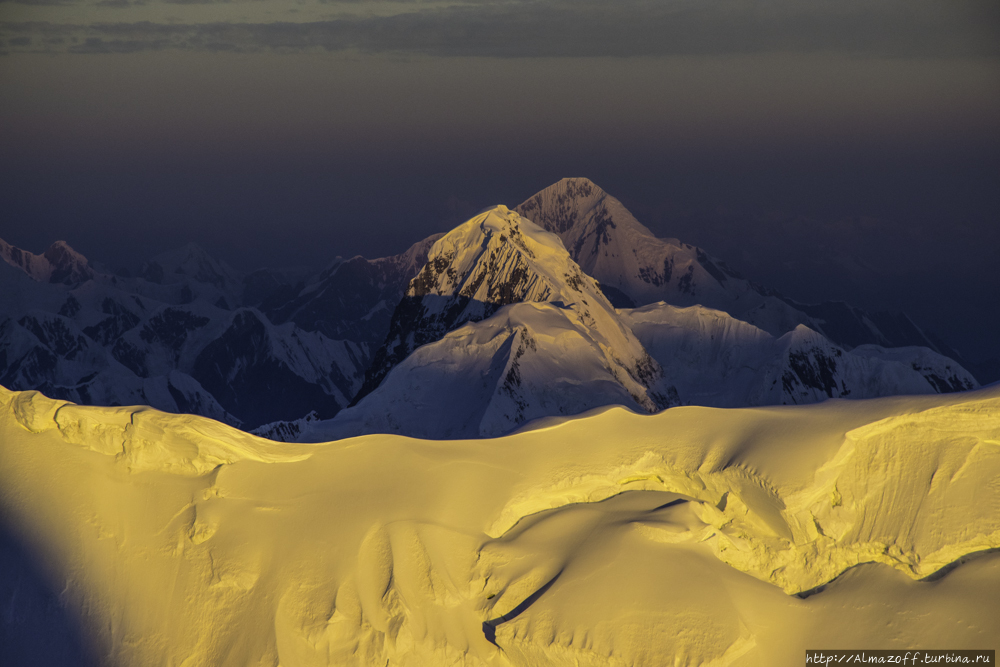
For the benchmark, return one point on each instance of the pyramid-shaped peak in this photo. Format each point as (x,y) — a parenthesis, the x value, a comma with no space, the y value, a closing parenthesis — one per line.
(494,260)
(61,253)
(66,265)
(567,207)
(577,187)
(496,246)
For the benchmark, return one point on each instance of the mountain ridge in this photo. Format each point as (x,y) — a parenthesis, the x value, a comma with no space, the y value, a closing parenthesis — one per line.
(81,334)
(611,245)
(494,260)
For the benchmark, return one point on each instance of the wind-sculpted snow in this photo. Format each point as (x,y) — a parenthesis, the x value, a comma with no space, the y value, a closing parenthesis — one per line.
(694,536)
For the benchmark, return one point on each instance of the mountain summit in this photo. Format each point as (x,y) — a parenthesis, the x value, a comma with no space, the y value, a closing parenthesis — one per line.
(636,268)
(58,264)
(501,317)
(495,259)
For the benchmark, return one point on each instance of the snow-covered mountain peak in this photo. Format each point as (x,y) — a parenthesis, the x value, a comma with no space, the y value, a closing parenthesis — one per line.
(574,207)
(608,243)
(497,259)
(58,264)
(636,268)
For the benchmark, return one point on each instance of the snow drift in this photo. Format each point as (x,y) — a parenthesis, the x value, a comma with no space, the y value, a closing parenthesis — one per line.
(693,536)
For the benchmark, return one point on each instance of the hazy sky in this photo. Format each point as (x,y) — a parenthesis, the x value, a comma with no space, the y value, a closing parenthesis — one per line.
(833,149)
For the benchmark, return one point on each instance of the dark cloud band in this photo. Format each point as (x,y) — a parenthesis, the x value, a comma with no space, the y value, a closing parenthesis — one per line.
(512,29)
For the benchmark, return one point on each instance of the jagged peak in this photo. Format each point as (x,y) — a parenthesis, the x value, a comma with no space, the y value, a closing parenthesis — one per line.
(576,186)
(17,257)
(561,205)
(503,224)
(496,259)
(498,245)
(61,253)
(575,208)
(60,263)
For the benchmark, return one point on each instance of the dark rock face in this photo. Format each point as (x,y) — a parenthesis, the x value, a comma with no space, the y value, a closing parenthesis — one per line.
(419,321)
(352,300)
(170,328)
(71,307)
(813,369)
(424,316)
(943,384)
(721,272)
(119,320)
(344,303)
(618,298)
(68,267)
(55,334)
(685,283)
(240,370)
(651,276)
(20,368)
(131,357)
(19,258)
(565,214)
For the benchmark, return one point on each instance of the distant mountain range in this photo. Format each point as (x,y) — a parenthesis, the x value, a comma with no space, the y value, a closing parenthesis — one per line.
(559,305)
(190,334)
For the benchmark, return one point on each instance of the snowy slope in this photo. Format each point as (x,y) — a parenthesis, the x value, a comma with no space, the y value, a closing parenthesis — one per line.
(713,359)
(636,268)
(494,260)
(486,378)
(694,536)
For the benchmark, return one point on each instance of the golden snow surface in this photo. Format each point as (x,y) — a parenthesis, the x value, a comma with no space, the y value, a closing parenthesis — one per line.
(695,536)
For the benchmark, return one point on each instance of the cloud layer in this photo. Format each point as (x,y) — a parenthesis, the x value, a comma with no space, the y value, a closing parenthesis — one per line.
(533,28)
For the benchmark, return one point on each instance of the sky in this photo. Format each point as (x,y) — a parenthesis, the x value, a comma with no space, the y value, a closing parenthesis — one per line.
(832,149)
